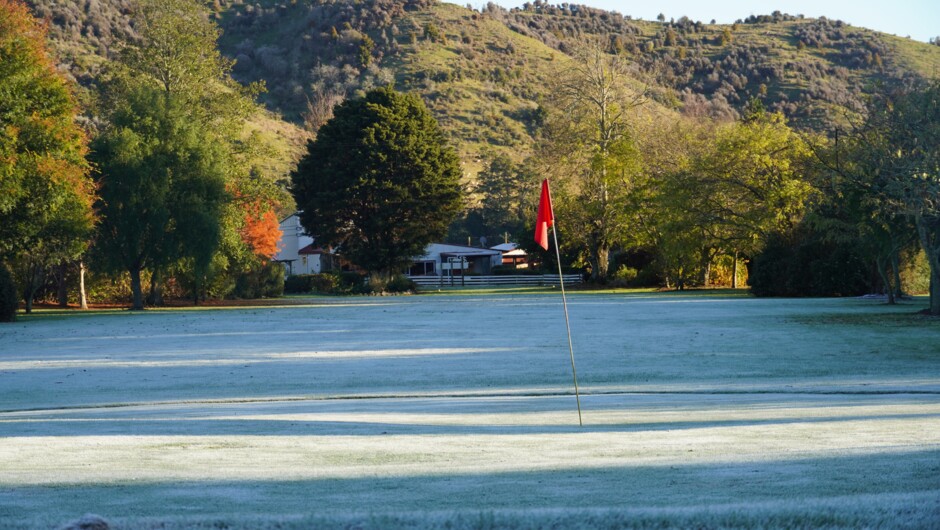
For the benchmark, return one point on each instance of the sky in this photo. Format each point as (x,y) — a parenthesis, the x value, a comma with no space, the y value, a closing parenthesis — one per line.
(919,19)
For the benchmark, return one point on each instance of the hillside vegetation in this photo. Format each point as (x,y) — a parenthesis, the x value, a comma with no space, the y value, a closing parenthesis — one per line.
(483,74)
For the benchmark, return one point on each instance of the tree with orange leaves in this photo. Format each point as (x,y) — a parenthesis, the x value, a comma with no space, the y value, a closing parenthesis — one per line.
(261,231)
(46,194)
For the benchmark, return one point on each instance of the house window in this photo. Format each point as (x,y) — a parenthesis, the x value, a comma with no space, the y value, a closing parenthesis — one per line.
(422,268)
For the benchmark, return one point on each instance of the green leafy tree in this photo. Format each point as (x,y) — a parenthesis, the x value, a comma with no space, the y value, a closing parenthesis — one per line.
(176,59)
(901,141)
(162,188)
(856,211)
(46,194)
(505,191)
(64,238)
(177,51)
(379,182)
(589,147)
(743,182)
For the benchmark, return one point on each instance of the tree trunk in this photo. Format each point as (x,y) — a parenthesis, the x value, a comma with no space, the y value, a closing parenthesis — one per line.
(930,242)
(600,265)
(63,286)
(32,279)
(935,291)
(705,263)
(155,298)
(138,302)
(734,271)
(81,285)
(882,266)
(896,272)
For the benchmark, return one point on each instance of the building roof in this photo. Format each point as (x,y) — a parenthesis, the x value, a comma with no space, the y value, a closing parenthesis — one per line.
(470,252)
(505,247)
(310,249)
(510,250)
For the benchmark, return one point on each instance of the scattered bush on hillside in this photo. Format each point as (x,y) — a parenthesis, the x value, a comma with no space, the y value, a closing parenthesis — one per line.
(329,50)
(96,26)
(725,70)
(772,18)
(319,53)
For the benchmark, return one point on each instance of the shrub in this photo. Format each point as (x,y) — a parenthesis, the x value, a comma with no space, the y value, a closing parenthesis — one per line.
(324,283)
(272,280)
(401,284)
(327,283)
(504,270)
(264,280)
(299,284)
(804,264)
(8,297)
(623,277)
(352,282)
(915,273)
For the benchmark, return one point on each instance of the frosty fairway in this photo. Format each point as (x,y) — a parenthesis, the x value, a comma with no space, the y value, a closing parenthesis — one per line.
(435,409)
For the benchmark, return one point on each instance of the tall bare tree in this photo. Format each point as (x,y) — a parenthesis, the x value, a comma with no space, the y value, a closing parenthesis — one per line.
(590,150)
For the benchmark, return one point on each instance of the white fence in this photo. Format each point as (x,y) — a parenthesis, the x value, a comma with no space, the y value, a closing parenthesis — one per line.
(495,281)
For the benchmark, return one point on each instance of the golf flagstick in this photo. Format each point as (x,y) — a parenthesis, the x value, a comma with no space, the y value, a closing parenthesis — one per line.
(544,221)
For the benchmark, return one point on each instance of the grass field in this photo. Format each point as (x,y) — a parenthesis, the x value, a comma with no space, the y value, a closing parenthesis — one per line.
(457,411)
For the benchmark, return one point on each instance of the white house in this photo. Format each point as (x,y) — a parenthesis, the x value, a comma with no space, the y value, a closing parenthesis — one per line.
(443,259)
(512,255)
(299,252)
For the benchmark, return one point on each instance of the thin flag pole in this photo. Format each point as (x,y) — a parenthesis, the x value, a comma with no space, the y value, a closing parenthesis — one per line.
(564,300)
(544,221)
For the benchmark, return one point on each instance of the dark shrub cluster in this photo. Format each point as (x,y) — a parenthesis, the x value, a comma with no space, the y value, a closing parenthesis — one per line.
(263,281)
(327,283)
(555,25)
(804,264)
(401,284)
(8,297)
(772,18)
(506,270)
(94,25)
(327,49)
(310,283)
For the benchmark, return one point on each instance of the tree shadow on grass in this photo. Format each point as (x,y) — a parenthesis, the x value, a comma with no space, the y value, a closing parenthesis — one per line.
(421,416)
(898,489)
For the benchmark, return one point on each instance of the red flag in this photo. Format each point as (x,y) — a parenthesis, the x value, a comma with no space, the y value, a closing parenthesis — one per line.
(546,217)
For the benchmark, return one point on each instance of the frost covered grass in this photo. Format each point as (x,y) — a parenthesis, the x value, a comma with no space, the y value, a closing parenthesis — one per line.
(457,411)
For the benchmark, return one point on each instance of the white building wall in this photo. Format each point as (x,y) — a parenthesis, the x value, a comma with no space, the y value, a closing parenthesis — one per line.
(294,239)
(308,264)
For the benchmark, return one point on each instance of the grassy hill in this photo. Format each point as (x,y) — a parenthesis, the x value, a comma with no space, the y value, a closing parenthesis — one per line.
(483,74)
(813,70)
(481,79)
